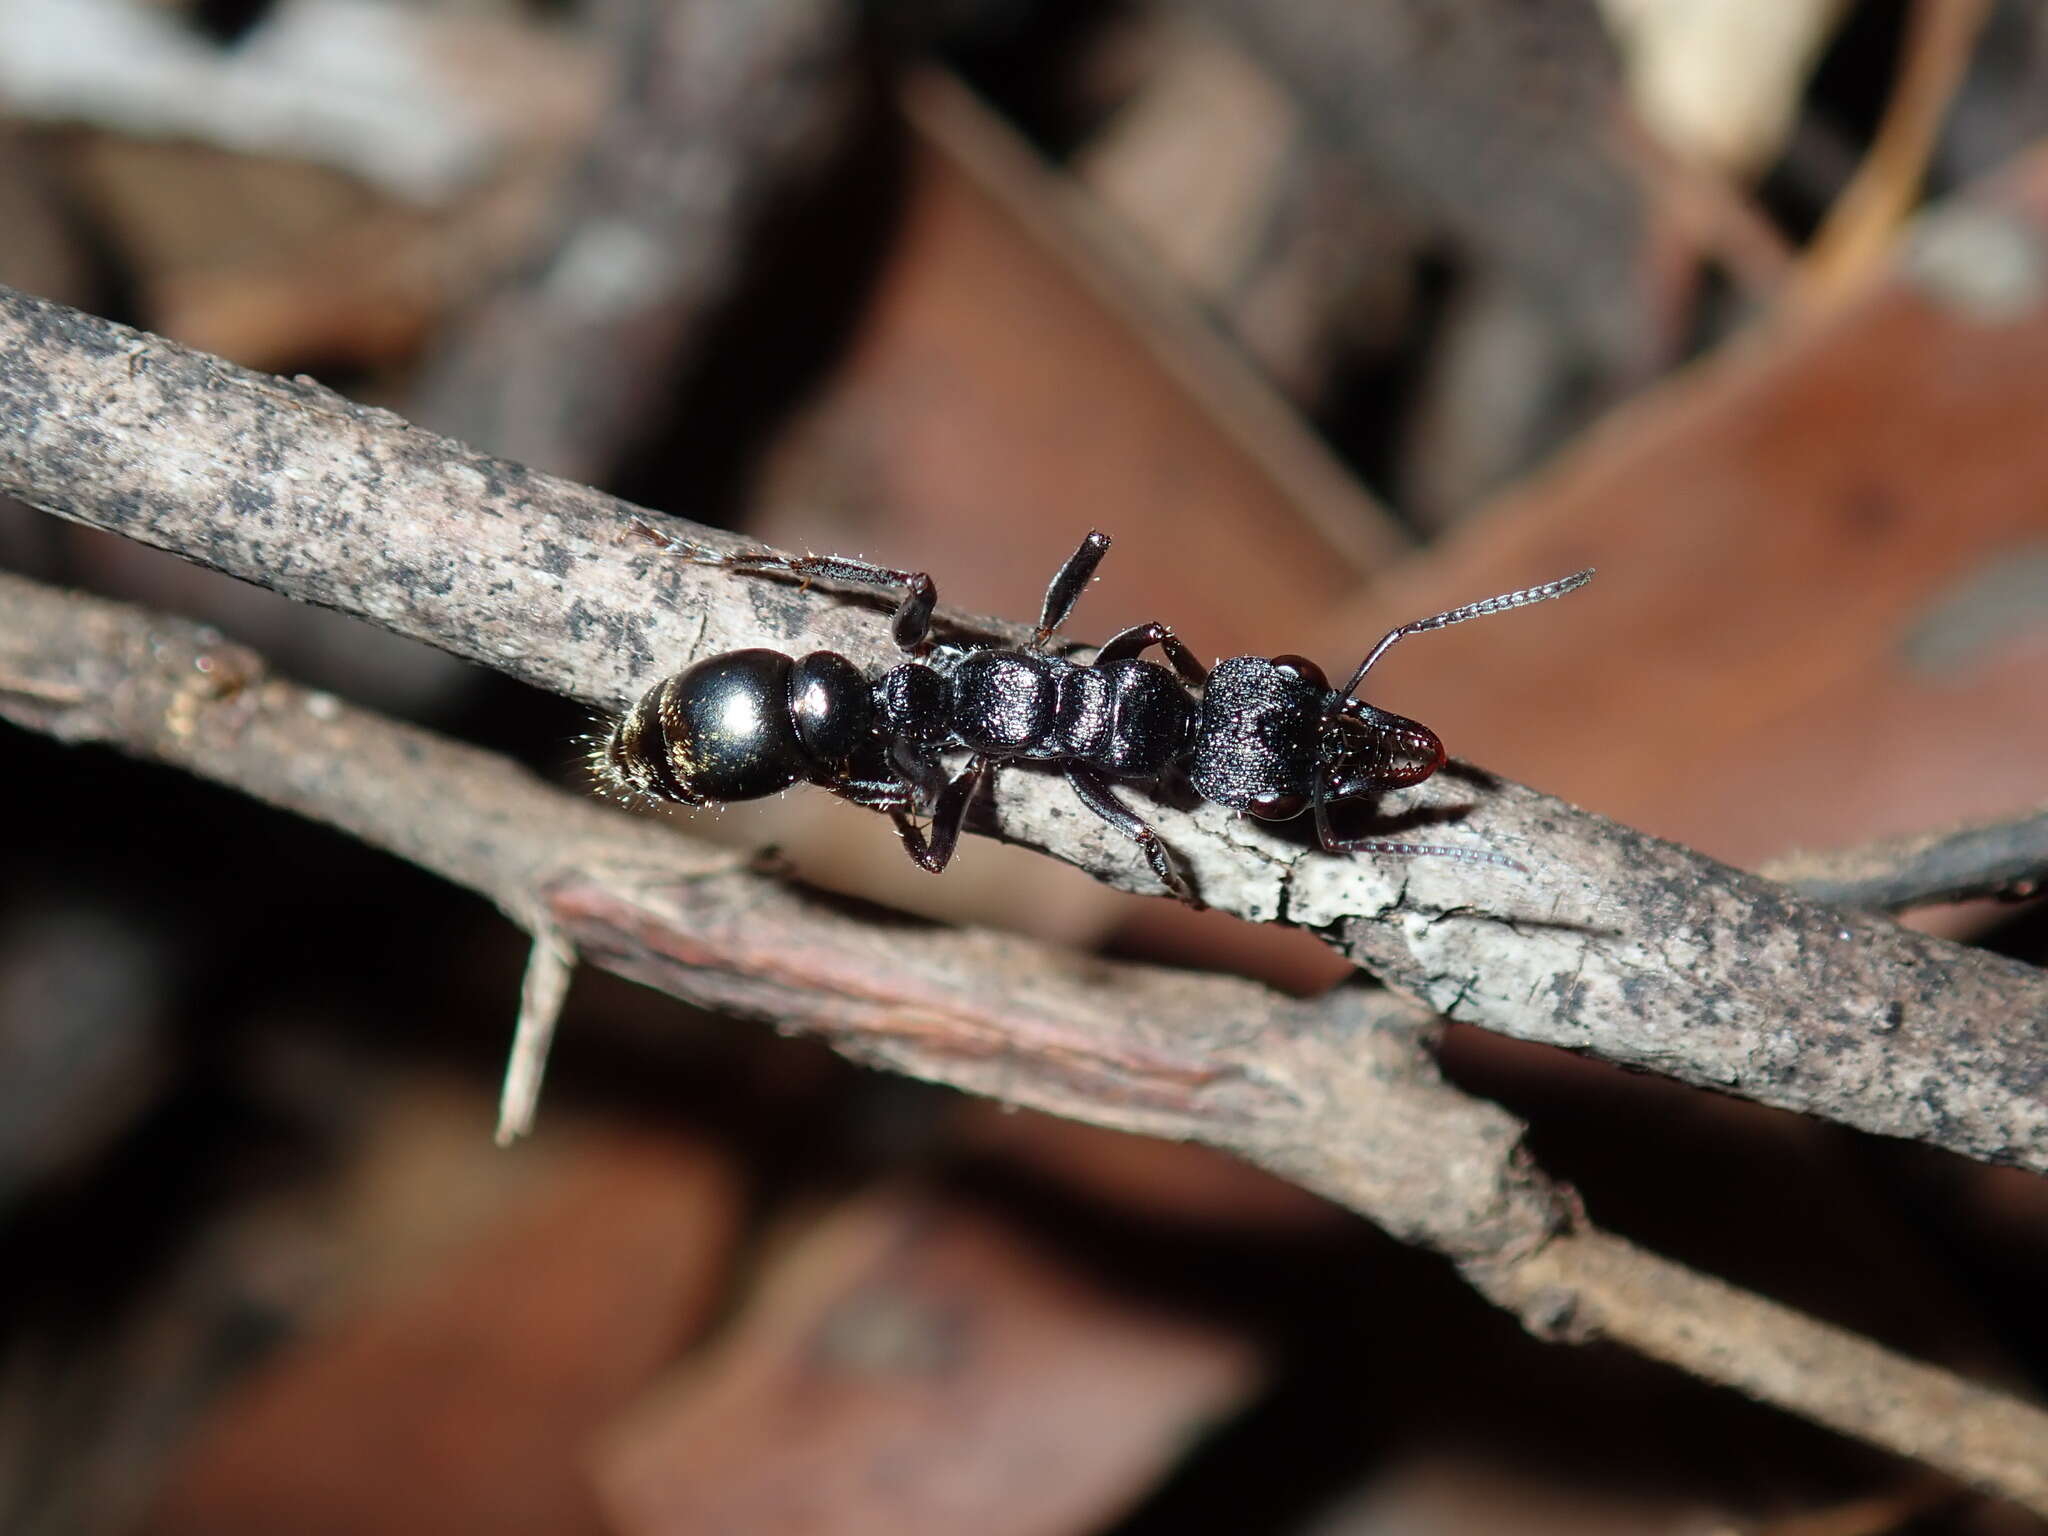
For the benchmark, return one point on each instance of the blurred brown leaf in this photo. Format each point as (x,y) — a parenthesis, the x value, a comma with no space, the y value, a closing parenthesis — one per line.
(466,1400)
(1802,633)
(912,1367)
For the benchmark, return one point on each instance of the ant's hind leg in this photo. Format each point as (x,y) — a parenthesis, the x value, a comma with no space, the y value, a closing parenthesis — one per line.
(913,621)
(1128,645)
(933,850)
(1065,588)
(1099,798)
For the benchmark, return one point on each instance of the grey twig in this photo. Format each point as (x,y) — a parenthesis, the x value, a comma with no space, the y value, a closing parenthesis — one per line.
(1633,949)
(1339,1094)
(2006,859)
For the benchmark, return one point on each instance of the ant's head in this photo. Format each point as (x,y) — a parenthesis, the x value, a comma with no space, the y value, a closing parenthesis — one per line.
(1276,737)
(1364,750)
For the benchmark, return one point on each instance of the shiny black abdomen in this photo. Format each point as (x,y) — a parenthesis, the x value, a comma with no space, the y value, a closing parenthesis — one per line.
(720,730)
(742,725)
(833,708)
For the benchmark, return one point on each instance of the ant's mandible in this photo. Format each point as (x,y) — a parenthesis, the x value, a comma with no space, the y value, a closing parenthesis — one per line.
(1263,735)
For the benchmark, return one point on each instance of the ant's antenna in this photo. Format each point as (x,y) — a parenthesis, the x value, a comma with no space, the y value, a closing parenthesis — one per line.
(1478,610)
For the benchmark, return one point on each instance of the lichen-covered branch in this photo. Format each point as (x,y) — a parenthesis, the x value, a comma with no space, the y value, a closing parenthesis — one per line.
(1338,1094)
(1618,944)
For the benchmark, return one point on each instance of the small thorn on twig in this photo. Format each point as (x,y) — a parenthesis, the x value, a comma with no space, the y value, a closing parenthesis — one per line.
(548,969)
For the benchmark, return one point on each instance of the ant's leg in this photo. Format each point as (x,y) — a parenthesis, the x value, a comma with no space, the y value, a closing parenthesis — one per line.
(913,620)
(920,771)
(1098,797)
(1066,586)
(1129,644)
(937,852)
(876,794)
(1332,843)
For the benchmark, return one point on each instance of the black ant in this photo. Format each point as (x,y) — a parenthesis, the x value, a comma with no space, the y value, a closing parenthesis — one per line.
(1268,736)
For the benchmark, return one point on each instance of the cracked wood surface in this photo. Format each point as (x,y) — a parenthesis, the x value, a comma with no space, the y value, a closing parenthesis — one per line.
(1636,950)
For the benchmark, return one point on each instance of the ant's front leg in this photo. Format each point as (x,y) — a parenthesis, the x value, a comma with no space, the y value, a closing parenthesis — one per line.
(1130,644)
(934,850)
(913,622)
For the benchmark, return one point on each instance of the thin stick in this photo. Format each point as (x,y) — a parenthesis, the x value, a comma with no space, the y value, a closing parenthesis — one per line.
(1865,220)
(2006,860)
(548,970)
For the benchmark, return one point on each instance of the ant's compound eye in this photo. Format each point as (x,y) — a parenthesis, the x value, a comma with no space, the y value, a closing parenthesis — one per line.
(1279,807)
(1303,668)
